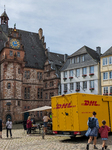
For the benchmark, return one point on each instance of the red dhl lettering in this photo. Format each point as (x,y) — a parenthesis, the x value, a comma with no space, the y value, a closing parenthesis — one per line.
(66,105)
(90,103)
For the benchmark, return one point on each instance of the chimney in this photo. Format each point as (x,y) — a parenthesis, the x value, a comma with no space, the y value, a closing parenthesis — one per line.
(40,31)
(98,50)
(65,57)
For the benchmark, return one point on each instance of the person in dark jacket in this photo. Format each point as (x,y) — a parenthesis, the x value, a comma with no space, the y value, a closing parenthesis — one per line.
(104,134)
(93,132)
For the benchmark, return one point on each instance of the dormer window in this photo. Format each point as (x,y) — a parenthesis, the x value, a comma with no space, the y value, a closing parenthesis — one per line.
(77,59)
(72,60)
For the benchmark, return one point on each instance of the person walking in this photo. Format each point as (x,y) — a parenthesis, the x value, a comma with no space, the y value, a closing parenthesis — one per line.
(104,134)
(29,125)
(93,125)
(45,120)
(9,127)
(1,128)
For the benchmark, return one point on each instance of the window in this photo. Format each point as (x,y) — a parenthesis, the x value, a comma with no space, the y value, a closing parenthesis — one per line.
(18,54)
(38,114)
(72,60)
(110,89)
(65,87)
(77,59)
(71,86)
(110,75)
(84,71)
(92,84)
(82,58)
(104,61)
(105,75)
(51,94)
(27,74)
(92,69)
(18,103)
(40,93)
(51,83)
(39,75)
(8,85)
(71,73)
(105,90)
(84,84)
(110,60)
(78,85)
(19,71)
(11,53)
(77,72)
(27,93)
(45,85)
(65,74)
(46,96)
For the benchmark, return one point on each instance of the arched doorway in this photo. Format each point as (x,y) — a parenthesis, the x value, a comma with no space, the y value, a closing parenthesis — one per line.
(8,116)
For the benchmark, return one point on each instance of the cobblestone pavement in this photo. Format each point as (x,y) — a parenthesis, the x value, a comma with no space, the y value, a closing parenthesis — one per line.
(20,141)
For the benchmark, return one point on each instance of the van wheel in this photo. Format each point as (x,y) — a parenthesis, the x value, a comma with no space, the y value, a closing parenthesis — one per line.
(73,137)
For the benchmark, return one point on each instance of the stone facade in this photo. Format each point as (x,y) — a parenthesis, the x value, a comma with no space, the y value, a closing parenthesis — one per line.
(25,68)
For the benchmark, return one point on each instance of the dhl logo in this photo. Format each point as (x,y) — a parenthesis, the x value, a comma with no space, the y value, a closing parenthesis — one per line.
(90,103)
(65,105)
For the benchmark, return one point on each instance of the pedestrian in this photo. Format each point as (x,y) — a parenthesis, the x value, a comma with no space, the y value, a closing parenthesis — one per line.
(93,125)
(104,134)
(45,120)
(9,127)
(29,125)
(1,128)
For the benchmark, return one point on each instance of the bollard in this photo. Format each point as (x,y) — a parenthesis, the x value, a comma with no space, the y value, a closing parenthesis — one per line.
(43,134)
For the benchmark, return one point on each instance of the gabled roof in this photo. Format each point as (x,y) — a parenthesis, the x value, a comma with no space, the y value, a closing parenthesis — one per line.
(108,52)
(85,50)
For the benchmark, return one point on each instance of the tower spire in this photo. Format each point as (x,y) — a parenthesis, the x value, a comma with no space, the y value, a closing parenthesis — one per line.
(4,9)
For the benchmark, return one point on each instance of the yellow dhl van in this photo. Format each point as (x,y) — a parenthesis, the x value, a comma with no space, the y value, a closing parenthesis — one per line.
(70,112)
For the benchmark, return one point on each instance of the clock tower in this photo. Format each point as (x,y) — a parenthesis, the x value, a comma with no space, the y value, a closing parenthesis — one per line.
(12,66)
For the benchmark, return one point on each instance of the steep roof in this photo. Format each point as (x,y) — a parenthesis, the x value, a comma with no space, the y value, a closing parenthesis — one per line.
(4,14)
(88,50)
(3,38)
(108,52)
(58,59)
(34,51)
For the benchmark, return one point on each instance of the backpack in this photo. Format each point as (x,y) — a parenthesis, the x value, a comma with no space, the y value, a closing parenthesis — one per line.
(92,122)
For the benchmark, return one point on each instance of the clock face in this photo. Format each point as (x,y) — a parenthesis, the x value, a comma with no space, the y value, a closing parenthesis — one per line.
(15,43)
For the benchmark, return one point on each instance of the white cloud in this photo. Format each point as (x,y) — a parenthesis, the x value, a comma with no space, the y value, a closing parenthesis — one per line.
(67,25)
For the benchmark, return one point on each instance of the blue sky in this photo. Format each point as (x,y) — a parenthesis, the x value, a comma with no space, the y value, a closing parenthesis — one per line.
(67,25)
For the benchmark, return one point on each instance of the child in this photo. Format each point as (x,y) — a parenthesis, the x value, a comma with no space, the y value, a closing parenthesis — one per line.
(104,133)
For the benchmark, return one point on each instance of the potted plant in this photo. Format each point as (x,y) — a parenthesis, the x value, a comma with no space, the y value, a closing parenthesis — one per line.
(91,89)
(77,90)
(70,78)
(84,75)
(64,78)
(91,74)
(105,94)
(65,91)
